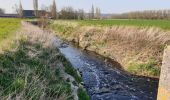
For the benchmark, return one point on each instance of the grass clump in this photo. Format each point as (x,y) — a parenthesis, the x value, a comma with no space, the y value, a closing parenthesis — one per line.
(63,27)
(82,94)
(150,68)
(32,72)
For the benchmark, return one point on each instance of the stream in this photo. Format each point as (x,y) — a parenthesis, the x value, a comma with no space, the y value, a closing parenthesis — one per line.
(104,80)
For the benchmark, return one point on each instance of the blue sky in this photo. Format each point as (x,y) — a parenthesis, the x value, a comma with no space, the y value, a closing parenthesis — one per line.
(107,6)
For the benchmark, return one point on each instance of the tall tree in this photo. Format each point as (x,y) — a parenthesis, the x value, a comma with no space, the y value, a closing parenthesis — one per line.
(35,3)
(98,13)
(81,14)
(20,10)
(54,10)
(92,12)
(68,13)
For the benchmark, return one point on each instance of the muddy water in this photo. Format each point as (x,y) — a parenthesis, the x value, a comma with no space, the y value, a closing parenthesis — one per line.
(104,81)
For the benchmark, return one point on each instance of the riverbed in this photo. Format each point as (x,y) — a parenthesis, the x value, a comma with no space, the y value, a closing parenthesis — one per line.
(104,79)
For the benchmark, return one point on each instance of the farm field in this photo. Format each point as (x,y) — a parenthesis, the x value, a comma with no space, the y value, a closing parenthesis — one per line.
(164,24)
(8,27)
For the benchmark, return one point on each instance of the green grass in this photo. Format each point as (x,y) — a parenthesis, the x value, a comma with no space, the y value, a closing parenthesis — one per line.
(8,27)
(164,24)
(150,68)
(29,72)
(82,94)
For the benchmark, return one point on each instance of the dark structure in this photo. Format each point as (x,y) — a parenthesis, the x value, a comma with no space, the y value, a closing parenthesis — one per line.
(8,15)
(28,14)
(31,13)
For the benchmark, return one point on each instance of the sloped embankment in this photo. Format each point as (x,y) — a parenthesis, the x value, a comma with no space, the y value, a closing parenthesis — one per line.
(35,69)
(138,49)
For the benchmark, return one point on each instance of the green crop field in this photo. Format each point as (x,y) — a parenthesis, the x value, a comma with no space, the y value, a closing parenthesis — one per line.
(164,24)
(8,27)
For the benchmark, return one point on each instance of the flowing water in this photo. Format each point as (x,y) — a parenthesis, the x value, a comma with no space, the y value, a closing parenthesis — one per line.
(104,80)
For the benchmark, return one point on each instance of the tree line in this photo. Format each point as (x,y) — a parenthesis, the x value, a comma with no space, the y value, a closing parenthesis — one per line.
(148,14)
(65,13)
(94,13)
(71,13)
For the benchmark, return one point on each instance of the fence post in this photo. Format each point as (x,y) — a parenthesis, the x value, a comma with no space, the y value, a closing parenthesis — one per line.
(164,82)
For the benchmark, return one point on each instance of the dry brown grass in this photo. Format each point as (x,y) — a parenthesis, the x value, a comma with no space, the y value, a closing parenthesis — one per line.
(125,44)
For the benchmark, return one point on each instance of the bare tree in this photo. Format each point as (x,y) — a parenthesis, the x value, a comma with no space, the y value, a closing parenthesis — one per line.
(2,11)
(35,3)
(20,10)
(46,8)
(54,10)
(81,14)
(68,13)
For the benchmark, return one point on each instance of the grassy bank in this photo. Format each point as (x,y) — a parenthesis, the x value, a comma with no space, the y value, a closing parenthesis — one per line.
(8,28)
(28,73)
(35,69)
(138,49)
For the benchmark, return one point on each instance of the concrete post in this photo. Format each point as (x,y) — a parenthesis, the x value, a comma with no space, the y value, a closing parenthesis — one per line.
(164,82)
